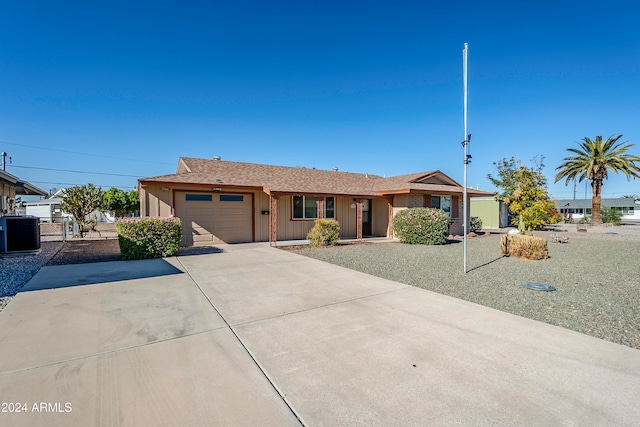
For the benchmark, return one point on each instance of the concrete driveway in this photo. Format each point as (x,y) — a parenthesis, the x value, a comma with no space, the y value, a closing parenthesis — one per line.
(259,336)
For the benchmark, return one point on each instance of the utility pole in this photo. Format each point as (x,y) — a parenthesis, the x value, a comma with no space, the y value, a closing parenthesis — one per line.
(467,157)
(4,163)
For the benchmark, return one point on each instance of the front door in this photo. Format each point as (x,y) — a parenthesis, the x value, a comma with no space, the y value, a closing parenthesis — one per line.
(366,217)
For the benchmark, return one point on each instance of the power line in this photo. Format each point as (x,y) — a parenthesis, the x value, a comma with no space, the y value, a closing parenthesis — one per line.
(74,171)
(85,154)
(74,183)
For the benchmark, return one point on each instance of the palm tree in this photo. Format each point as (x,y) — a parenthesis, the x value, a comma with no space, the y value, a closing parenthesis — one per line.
(592,161)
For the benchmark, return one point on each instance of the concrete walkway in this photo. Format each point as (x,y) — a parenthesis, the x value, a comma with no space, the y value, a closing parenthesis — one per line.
(259,336)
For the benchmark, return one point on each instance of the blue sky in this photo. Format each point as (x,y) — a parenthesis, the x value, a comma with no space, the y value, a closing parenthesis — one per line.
(363,86)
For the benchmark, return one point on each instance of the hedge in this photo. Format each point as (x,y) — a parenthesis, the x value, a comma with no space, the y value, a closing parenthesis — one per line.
(425,226)
(141,238)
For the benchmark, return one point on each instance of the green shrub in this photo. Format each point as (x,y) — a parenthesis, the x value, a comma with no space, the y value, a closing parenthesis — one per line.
(528,247)
(142,238)
(325,232)
(424,226)
(609,215)
(475,224)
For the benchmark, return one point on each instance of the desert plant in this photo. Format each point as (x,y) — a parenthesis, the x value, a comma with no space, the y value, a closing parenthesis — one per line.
(475,224)
(424,226)
(527,247)
(610,215)
(80,201)
(142,238)
(325,232)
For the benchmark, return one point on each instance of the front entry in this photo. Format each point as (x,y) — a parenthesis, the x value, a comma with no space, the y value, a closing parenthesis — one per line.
(366,217)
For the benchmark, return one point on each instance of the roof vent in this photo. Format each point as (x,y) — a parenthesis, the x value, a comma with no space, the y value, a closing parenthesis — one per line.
(335,169)
(217,158)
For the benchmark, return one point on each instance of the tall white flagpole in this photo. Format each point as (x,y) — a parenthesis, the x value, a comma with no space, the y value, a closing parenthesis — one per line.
(465,144)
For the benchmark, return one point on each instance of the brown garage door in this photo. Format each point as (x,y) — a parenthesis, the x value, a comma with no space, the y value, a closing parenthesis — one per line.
(215,217)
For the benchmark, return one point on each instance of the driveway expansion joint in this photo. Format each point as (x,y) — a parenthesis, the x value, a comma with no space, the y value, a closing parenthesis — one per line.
(246,349)
(331,304)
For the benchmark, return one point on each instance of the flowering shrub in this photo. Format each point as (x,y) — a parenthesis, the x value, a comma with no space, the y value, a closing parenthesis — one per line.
(326,232)
(425,226)
(141,238)
(475,224)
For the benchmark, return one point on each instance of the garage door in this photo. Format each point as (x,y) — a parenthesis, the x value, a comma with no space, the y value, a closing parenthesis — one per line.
(215,217)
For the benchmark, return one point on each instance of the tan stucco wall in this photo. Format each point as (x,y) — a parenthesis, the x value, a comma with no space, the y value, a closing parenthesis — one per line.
(156,201)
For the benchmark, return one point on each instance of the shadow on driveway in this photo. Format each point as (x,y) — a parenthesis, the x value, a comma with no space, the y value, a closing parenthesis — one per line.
(64,276)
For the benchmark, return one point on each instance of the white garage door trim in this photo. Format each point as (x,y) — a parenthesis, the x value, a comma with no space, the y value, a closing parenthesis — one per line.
(209,218)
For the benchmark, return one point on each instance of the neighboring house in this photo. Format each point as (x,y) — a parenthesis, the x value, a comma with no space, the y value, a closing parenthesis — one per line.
(578,208)
(10,187)
(232,202)
(493,213)
(49,210)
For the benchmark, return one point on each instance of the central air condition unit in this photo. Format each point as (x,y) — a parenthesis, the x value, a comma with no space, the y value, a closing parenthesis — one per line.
(19,234)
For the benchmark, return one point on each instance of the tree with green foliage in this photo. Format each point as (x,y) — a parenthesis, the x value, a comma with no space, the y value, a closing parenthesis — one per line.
(80,201)
(592,161)
(524,191)
(120,202)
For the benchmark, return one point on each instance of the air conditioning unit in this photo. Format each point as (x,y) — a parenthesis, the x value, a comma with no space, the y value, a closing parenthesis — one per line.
(19,233)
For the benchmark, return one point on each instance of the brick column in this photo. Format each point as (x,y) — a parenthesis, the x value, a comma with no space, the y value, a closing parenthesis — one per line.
(273,219)
(359,219)
(390,224)
(320,204)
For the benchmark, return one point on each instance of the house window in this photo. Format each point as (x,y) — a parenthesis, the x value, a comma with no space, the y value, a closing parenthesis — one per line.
(442,202)
(306,207)
(231,198)
(199,197)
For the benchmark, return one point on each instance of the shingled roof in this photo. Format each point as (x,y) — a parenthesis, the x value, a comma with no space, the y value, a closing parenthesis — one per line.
(286,179)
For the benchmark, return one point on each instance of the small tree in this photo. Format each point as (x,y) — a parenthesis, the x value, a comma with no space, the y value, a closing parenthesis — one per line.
(120,202)
(80,201)
(524,193)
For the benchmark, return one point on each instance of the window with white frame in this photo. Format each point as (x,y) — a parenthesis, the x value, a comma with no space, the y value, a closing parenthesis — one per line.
(306,207)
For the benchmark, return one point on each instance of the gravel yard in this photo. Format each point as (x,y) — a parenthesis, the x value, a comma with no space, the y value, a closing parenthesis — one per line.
(17,270)
(595,274)
(596,278)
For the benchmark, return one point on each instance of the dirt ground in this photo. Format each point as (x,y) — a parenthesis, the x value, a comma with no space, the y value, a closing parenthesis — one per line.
(85,251)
